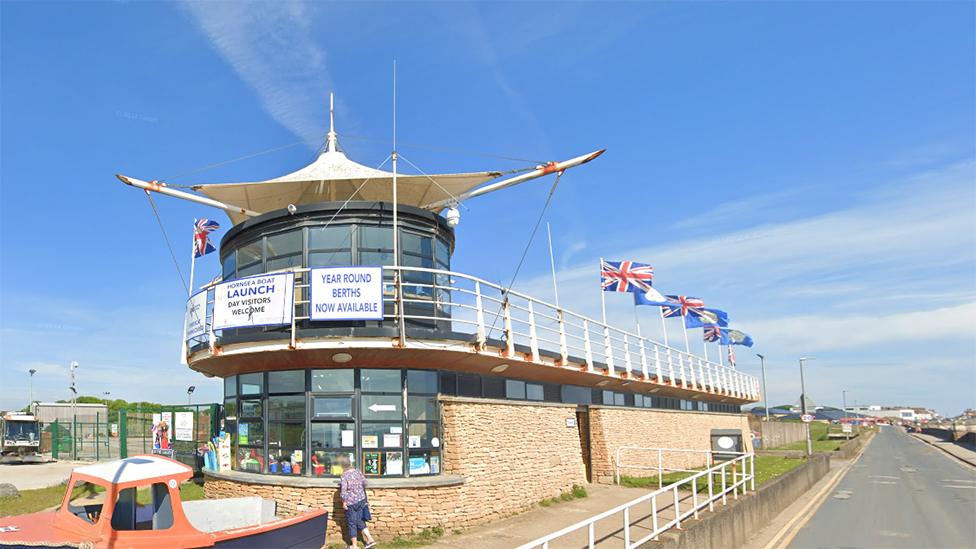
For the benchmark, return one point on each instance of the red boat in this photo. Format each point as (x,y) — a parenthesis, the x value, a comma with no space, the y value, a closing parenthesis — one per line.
(136,503)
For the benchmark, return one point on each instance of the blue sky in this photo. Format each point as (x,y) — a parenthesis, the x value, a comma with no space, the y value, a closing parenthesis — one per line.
(808,167)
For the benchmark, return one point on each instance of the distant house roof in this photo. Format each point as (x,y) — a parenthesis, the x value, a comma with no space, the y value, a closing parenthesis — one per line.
(134,469)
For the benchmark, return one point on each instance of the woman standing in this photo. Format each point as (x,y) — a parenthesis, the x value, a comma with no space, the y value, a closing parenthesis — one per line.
(352,490)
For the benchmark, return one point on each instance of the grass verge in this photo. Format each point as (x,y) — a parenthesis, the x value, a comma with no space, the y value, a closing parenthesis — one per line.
(576,492)
(767,468)
(425,537)
(41,499)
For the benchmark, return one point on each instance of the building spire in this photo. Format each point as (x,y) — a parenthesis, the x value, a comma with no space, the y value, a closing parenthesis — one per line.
(332,145)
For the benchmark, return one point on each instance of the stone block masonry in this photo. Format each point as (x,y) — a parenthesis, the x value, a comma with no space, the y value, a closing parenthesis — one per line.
(612,428)
(506,456)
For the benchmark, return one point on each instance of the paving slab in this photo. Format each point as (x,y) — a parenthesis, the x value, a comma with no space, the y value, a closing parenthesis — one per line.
(533,524)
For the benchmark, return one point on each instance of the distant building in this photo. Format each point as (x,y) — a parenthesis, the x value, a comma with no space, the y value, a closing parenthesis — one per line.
(48,412)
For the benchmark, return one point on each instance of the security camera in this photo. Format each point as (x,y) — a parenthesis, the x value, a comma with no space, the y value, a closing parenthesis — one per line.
(453,216)
(292,209)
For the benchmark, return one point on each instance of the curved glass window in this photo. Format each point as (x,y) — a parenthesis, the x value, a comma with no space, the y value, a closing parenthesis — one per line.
(250,259)
(285,250)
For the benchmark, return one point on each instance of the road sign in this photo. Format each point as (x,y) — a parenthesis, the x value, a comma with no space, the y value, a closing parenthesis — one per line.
(846,427)
(806,418)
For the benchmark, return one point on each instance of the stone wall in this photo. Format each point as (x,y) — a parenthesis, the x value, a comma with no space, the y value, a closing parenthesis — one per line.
(511,455)
(612,428)
(776,434)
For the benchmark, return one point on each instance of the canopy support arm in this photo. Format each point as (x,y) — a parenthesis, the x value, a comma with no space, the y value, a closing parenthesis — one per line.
(161,188)
(551,167)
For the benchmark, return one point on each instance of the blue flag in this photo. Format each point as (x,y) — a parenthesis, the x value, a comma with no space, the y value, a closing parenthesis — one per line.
(651,297)
(739,338)
(700,318)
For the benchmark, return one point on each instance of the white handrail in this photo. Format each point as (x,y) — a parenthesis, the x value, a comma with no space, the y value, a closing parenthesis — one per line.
(486,309)
(744,480)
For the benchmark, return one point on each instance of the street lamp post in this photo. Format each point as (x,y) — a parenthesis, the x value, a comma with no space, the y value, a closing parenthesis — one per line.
(189,393)
(74,398)
(847,434)
(762,363)
(30,389)
(803,404)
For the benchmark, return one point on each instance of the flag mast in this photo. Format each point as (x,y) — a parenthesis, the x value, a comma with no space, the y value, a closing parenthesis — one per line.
(603,294)
(552,265)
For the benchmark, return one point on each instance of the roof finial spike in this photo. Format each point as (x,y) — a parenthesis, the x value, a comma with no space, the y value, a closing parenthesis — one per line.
(333,142)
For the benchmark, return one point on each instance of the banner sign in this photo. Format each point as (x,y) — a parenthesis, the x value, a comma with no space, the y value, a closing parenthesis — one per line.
(183,428)
(195,321)
(346,293)
(263,300)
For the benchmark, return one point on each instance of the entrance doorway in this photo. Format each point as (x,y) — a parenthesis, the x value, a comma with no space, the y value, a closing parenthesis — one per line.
(583,425)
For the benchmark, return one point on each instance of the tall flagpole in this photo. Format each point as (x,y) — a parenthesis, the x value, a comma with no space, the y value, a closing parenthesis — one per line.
(705,344)
(637,320)
(603,294)
(720,361)
(664,326)
(685,330)
(552,265)
(193,259)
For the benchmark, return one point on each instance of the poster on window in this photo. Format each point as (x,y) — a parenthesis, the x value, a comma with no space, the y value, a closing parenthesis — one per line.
(195,321)
(346,293)
(263,300)
(183,426)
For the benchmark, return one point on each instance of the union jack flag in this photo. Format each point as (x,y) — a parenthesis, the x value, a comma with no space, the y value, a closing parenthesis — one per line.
(686,302)
(625,276)
(201,236)
(715,333)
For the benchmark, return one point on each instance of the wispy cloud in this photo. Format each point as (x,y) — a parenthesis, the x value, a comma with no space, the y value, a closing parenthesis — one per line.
(272,48)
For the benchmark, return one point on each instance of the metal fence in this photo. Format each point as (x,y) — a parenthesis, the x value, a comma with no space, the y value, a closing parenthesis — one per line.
(669,505)
(81,440)
(136,434)
(491,316)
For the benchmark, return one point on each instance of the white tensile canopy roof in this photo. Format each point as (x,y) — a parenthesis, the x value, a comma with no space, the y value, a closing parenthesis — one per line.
(334,177)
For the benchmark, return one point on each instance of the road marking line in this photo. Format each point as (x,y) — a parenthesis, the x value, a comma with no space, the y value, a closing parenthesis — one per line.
(786,535)
(884,482)
(957,480)
(958,486)
(885,477)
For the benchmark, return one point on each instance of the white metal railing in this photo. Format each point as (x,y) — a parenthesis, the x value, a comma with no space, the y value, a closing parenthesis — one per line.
(720,479)
(522,326)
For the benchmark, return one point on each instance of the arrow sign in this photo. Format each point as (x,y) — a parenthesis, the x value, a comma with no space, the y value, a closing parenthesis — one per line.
(382,408)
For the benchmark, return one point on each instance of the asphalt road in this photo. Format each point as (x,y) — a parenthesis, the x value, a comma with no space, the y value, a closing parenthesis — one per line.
(900,493)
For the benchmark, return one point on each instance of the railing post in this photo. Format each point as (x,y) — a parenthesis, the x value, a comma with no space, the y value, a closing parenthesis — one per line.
(711,380)
(691,368)
(592,535)
(660,470)
(681,368)
(724,498)
(294,307)
(509,337)
(654,515)
(587,347)
(701,374)
(480,315)
(608,354)
(563,348)
(694,495)
(627,363)
(626,527)
(401,321)
(752,467)
(643,356)
(677,510)
(735,482)
(671,377)
(533,339)
(711,489)
(657,363)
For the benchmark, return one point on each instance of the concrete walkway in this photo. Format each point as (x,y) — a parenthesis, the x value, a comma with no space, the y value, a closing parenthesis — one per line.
(955,450)
(28,476)
(530,525)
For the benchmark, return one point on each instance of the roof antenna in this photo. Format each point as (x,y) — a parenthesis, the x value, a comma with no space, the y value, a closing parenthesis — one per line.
(333,141)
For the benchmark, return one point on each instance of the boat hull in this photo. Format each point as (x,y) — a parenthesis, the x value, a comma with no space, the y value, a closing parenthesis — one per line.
(303,534)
